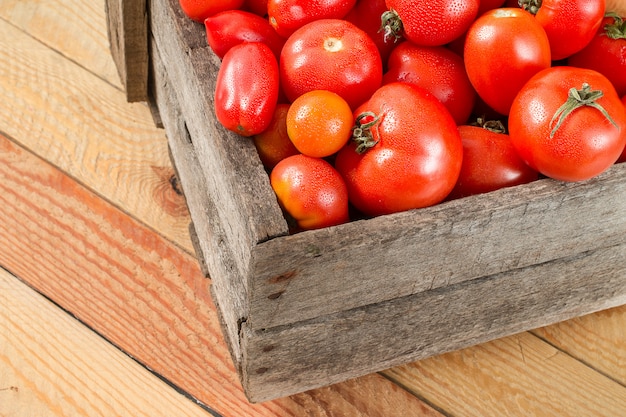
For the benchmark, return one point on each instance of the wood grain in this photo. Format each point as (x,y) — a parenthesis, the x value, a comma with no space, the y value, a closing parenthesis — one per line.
(515,376)
(84,126)
(128,36)
(52,365)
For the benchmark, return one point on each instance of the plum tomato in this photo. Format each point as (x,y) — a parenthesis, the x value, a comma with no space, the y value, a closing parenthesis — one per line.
(232,27)
(438,70)
(246,89)
(286,16)
(606,53)
(489,5)
(434,22)
(258,7)
(503,48)
(568,123)
(273,144)
(319,123)
(400,158)
(490,161)
(199,10)
(310,191)
(570,24)
(334,55)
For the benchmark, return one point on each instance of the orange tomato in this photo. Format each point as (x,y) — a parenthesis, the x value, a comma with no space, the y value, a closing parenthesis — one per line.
(273,145)
(319,123)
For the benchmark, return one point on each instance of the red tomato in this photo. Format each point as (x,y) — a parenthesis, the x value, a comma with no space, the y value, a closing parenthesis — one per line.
(490,161)
(311,191)
(622,158)
(434,22)
(258,7)
(503,49)
(606,53)
(227,29)
(406,159)
(199,10)
(569,24)
(246,90)
(366,16)
(334,55)
(286,16)
(569,144)
(438,70)
(489,5)
(273,144)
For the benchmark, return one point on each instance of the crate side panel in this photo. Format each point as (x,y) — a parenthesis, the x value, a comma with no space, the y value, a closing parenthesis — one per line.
(127,29)
(225,285)
(307,275)
(234,176)
(337,347)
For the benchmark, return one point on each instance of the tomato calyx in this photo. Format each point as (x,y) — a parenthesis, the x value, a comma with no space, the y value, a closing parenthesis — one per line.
(362,131)
(391,25)
(531,6)
(576,99)
(495,126)
(617,29)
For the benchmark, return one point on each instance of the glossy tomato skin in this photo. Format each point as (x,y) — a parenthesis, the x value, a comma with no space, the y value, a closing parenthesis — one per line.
(273,144)
(434,22)
(503,49)
(334,55)
(417,156)
(246,91)
(490,162)
(569,24)
(486,5)
(199,10)
(311,191)
(366,16)
(585,144)
(622,158)
(438,70)
(286,16)
(227,29)
(258,7)
(606,54)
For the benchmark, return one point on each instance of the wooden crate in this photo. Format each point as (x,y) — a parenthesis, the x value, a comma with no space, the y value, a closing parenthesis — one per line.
(311,309)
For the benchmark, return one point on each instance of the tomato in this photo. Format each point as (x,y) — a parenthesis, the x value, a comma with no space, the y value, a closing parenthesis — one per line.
(569,24)
(568,123)
(606,53)
(490,161)
(286,16)
(334,55)
(273,144)
(199,10)
(503,49)
(366,16)
(434,22)
(319,123)
(246,91)
(400,158)
(227,29)
(311,191)
(258,7)
(438,70)
(622,158)
(489,5)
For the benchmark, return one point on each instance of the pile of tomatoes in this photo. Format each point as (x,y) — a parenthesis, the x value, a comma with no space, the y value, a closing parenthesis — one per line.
(360,108)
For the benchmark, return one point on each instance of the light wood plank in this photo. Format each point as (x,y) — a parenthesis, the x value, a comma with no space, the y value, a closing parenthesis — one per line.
(596,339)
(72,28)
(515,376)
(52,365)
(618,6)
(83,125)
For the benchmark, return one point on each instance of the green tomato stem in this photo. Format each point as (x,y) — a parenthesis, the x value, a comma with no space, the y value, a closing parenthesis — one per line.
(391,25)
(617,29)
(576,99)
(531,6)
(362,131)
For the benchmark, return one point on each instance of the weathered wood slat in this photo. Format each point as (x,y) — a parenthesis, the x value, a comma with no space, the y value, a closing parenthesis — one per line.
(345,344)
(128,34)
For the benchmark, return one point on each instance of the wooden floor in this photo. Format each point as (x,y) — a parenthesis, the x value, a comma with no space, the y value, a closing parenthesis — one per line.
(86,189)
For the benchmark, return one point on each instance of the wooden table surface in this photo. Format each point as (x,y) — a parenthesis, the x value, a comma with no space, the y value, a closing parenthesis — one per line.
(88,190)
